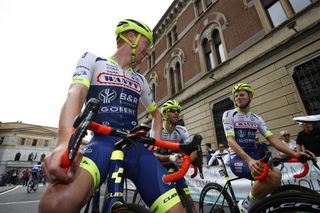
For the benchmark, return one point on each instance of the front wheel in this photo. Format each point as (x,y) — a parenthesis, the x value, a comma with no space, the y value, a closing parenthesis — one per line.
(129,208)
(288,202)
(214,199)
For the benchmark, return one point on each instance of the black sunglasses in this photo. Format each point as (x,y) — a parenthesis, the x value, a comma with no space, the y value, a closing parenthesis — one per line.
(173,110)
(285,135)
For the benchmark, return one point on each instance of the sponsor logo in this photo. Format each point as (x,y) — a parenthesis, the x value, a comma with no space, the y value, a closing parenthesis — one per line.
(80,73)
(112,69)
(245,124)
(117,109)
(129,98)
(107,95)
(118,80)
(167,199)
(134,123)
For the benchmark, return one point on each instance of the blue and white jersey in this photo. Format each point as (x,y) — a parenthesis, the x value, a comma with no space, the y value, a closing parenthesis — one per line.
(179,135)
(119,91)
(244,126)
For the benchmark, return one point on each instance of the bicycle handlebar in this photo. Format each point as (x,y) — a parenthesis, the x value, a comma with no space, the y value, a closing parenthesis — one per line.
(84,122)
(276,161)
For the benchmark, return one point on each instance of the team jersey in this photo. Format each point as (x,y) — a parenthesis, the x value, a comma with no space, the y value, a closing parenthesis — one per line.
(118,90)
(244,126)
(180,134)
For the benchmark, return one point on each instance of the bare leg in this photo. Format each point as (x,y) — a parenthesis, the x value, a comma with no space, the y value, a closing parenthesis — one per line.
(261,189)
(69,197)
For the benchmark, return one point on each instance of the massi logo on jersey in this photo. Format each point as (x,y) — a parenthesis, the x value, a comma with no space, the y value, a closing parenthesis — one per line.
(107,95)
(245,124)
(118,80)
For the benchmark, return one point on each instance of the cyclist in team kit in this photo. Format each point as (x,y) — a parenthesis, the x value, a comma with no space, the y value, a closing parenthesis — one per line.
(240,126)
(119,89)
(171,131)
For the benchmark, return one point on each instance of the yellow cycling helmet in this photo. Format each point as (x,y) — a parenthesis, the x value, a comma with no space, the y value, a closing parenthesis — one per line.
(130,24)
(242,86)
(170,104)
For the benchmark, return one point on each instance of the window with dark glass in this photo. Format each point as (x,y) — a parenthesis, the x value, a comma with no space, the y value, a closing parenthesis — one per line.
(307,80)
(22,141)
(217,111)
(1,140)
(207,54)
(172,81)
(34,142)
(169,38)
(178,73)
(46,143)
(175,34)
(17,156)
(153,90)
(199,8)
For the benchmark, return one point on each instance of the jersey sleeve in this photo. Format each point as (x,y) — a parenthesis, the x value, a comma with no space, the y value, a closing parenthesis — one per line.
(84,70)
(146,96)
(263,129)
(184,134)
(227,121)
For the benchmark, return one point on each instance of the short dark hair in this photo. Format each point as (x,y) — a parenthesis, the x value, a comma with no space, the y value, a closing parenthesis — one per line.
(208,145)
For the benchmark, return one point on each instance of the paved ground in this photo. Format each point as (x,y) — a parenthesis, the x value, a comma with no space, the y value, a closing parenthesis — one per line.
(6,188)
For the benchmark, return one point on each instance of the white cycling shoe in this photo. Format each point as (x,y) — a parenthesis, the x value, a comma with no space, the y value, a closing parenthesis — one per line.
(243,206)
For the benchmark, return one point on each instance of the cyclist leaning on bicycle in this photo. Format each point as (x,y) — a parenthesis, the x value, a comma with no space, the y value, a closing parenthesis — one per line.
(119,89)
(171,131)
(241,126)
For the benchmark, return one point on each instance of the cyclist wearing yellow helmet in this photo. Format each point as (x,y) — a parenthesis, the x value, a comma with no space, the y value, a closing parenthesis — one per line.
(172,131)
(240,127)
(124,31)
(119,89)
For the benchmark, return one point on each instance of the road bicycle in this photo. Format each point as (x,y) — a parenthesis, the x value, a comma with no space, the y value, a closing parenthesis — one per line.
(113,198)
(32,185)
(222,198)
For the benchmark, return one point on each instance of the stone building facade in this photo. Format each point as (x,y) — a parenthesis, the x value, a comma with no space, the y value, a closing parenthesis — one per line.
(204,47)
(23,145)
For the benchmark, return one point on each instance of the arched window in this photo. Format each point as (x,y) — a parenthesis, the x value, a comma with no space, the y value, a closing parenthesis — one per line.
(174,72)
(153,82)
(17,157)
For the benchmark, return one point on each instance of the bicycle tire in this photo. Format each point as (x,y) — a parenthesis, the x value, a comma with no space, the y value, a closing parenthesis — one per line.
(288,202)
(29,186)
(129,208)
(294,188)
(214,189)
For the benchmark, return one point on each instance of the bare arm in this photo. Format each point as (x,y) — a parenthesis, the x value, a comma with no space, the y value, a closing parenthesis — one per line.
(71,108)
(156,124)
(282,147)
